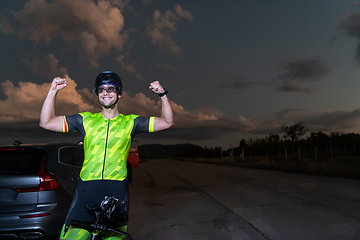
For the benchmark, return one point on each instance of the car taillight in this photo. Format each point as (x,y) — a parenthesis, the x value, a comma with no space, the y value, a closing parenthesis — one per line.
(34,215)
(47,180)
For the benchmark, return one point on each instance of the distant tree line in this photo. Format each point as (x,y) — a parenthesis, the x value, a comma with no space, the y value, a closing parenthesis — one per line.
(333,154)
(293,141)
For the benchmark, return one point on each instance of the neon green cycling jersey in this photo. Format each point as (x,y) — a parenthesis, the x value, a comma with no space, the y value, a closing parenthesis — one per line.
(106,142)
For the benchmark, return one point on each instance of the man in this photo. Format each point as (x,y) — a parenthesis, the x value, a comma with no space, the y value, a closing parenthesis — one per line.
(107,140)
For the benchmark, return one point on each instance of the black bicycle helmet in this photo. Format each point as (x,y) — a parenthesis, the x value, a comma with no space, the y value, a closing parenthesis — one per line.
(108,77)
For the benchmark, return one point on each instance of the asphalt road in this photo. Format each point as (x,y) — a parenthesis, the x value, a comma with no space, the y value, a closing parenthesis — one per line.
(176,200)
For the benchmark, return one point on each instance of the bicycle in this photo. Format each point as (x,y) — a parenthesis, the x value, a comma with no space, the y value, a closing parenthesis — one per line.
(104,213)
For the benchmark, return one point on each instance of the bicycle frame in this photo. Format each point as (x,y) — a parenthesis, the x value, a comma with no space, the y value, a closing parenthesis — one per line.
(104,214)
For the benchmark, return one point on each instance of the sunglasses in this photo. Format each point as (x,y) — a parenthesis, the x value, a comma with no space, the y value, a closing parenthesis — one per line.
(109,89)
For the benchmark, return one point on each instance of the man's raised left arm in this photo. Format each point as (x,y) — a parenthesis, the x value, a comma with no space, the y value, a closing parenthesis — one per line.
(166,120)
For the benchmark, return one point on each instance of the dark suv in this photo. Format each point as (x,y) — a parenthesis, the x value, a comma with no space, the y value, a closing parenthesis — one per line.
(37,184)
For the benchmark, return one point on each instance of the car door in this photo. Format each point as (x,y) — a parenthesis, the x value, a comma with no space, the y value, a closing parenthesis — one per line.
(68,166)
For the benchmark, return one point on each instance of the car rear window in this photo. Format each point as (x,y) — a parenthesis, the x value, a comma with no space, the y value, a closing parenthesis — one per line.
(20,161)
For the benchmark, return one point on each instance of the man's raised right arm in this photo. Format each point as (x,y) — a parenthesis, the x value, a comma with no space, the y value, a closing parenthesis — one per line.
(48,118)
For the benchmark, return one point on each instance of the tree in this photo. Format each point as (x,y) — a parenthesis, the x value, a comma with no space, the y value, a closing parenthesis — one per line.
(295,132)
(243,143)
(273,138)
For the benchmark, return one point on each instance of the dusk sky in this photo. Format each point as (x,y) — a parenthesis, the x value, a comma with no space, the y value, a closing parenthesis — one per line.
(233,69)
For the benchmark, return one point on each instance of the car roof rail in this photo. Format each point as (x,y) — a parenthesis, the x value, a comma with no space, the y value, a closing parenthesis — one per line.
(17,143)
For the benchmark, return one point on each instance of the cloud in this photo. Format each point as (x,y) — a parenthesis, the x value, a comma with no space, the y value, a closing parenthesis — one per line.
(147,2)
(23,102)
(21,110)
(328,121)
(184,13)
(5,26)
(130,68)
(160,28)
(97,28)
(142,105)
(207,113)
(300,74)
(121,4)
(168,67)
(335,120)
(45,65)
(295,87)
(291,114)
(350,23)
(233,80)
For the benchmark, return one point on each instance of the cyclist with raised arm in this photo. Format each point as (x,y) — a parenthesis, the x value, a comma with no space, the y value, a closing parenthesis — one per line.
(107,140)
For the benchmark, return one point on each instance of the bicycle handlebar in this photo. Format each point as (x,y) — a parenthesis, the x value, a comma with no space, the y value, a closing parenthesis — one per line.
(103,213)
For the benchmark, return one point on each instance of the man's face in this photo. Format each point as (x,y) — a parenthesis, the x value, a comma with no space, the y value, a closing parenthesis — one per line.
(108,95)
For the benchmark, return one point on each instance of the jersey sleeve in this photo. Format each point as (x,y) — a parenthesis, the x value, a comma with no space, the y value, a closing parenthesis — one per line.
(73,123)
(143,124)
